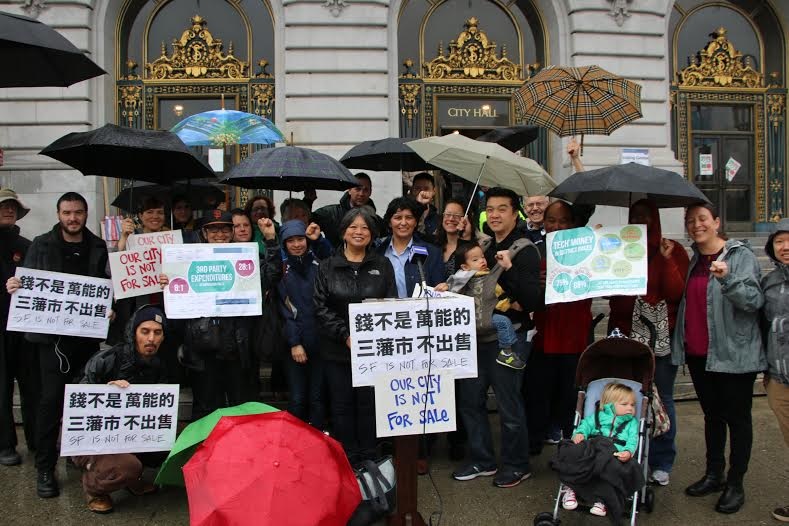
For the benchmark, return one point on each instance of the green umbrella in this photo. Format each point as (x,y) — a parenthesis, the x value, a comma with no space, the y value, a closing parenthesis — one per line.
(193,435)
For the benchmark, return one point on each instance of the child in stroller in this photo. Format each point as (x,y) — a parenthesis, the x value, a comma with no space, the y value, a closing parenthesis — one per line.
(613,360)
(614,419)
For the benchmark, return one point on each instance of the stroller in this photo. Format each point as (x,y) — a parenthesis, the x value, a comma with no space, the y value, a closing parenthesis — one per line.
(615,359)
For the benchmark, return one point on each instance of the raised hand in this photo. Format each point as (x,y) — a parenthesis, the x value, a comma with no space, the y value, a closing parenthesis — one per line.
(666,247)
(313,232)
(266,227)
(719,269)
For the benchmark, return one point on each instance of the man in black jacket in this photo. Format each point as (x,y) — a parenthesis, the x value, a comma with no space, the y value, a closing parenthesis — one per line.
(521,283)
(328,217)
(132,362)
(71,248)
(17,359)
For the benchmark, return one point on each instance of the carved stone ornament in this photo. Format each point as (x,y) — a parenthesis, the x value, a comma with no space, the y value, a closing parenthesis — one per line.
(33,8)
(197,55)
(408,100)
(720,65)
(619,11)
(335,7)
(472,56)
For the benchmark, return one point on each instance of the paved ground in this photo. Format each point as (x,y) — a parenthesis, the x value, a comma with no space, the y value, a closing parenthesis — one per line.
(469,503)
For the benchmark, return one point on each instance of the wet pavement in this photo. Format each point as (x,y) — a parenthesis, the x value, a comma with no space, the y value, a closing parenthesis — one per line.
(470,503)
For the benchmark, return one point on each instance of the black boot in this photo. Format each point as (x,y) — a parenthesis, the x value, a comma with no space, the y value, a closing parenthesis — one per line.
(47,485)
(9,457)
(710,483)
(732,499)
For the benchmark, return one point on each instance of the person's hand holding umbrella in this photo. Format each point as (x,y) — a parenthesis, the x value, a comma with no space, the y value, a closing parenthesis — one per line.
(574,151)
(127,229)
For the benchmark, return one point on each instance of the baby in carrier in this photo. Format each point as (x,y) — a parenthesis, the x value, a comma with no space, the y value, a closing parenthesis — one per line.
(476,280)
(614,419)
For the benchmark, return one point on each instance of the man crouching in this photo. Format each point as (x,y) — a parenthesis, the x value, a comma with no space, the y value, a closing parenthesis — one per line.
(131,362)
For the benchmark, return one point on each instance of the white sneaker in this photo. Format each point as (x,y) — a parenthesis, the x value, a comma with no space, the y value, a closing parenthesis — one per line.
(598,509)
(659,477)
(569,501)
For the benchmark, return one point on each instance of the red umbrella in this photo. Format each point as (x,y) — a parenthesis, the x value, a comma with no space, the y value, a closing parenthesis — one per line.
(269,469)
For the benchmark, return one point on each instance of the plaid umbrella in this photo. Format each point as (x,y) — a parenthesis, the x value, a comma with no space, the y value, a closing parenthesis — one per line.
(290,168)
(577,101)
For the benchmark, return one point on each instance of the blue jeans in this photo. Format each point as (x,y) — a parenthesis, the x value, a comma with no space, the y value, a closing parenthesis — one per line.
(472,397)
(663,449)
(504,330)
(305,382)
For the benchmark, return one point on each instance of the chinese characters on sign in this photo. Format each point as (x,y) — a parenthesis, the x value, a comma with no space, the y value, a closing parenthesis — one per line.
(105,419)
(62,304)
(407,404)
(394,337)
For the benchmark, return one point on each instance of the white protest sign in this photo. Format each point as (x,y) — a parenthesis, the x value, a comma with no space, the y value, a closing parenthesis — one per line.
(634,155)
(61,304)
(212,279)
(105,419)
(154,239)
(136,272)
(705,164)
(732,167)
(408,404)
(393,337)
(585,263)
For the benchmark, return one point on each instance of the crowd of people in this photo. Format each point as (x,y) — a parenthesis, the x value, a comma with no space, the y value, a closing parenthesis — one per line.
(712,311)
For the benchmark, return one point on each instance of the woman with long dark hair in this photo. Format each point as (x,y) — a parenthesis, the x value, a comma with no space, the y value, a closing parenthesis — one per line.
(717,334)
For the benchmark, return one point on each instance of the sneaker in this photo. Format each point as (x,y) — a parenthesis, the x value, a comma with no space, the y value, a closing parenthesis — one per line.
(471,472)
(598,509)
(781,514)
(510,479)
(569,501)
(659,477)
(510,360)
(554,437)
(9,457)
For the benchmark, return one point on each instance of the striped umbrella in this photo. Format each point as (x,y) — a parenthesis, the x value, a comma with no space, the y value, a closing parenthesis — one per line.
(579,101)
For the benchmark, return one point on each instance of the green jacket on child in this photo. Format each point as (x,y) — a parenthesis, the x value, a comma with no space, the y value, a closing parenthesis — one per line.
(622,429)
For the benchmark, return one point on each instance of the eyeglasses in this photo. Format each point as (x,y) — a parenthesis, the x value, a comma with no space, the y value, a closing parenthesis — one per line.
(260,209)
(457,217)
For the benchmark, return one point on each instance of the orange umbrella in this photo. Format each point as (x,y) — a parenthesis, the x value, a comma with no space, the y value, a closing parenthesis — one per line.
(270,469)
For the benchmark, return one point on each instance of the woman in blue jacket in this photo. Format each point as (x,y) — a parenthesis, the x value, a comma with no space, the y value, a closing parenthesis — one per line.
(404,248)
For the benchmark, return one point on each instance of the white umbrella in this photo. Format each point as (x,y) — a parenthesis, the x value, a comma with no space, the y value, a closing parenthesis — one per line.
(484,163)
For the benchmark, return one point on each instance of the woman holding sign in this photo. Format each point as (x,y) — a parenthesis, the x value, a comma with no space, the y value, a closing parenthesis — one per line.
(667,266)
(354,273)
(150,214)
(717,334)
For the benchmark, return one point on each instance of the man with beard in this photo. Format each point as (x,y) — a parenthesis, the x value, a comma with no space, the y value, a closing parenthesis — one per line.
(17,360)
(71,248)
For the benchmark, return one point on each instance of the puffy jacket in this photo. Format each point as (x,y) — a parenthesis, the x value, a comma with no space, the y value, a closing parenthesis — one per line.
(733,303)
(340,283)
(123,362)
(328,218)
(776,313)
(434,268)
(606,423)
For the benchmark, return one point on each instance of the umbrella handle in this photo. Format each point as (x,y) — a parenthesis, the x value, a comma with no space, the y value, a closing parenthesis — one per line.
(581,151)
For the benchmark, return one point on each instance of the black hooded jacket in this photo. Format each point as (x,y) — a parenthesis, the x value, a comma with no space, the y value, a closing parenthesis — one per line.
(328,218)
(123,362)
(13,249)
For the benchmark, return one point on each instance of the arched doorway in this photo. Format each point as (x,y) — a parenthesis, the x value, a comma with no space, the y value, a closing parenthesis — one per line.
(728,107)
(176,58)
(461,63)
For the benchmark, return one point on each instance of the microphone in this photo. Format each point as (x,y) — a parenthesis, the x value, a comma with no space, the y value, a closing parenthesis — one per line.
(419,256)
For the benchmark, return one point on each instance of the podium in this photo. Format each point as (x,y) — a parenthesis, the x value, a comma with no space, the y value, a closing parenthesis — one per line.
(406,451)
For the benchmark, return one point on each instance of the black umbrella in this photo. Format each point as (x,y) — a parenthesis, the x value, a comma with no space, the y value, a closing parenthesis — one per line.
(624,184)
(512,138)
(129,153)
(200,195)
(290,168)
(34,54)
(385,155)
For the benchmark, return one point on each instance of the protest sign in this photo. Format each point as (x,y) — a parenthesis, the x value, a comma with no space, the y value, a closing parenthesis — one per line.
(408,336)
(61,304)
(585,263)
(136,272)
(154,239)
(634,155)
(105,419)
(212,279)
(412,403)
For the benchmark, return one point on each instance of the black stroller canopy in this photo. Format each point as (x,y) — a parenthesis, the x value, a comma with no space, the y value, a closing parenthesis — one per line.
(618,357)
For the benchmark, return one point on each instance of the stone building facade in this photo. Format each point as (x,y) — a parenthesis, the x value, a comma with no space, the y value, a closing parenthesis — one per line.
(332,73)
